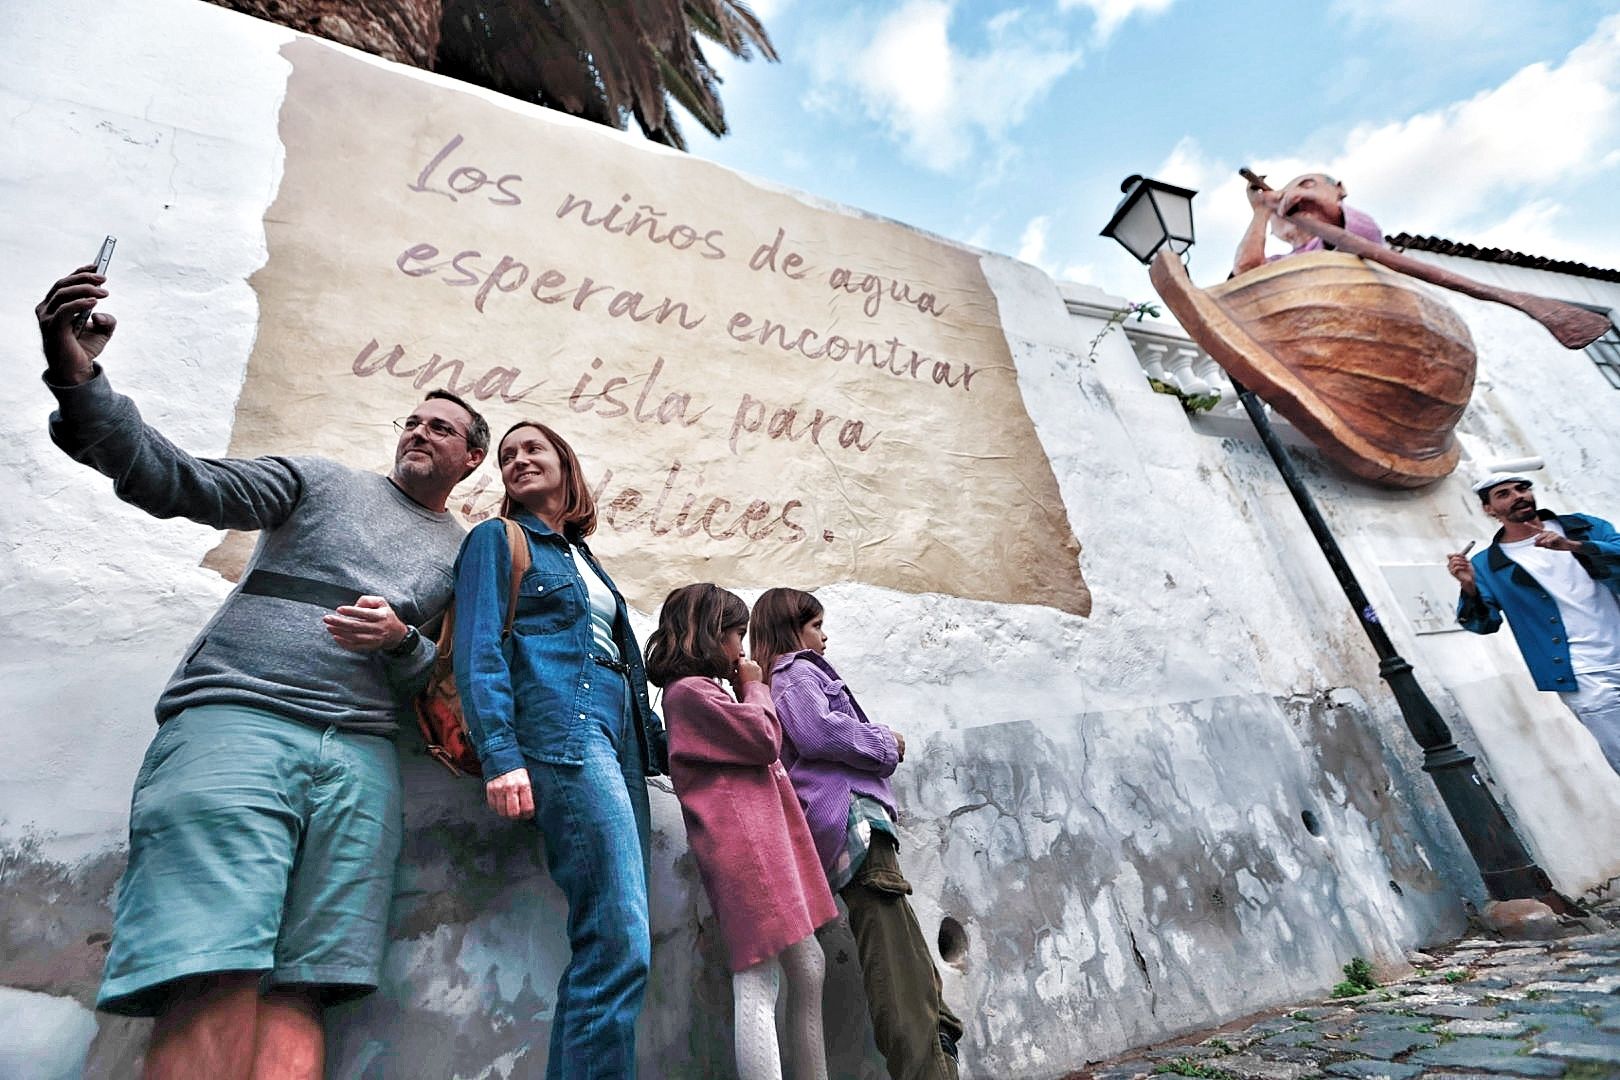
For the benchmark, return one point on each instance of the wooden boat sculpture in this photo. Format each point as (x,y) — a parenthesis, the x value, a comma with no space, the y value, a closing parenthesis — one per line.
(1373,368)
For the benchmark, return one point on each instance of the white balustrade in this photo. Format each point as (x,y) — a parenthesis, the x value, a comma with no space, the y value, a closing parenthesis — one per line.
(1181,368)
(1152,355)
(1219,382)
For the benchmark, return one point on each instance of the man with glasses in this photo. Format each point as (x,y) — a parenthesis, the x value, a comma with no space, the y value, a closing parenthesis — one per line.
(1556,579)
(266,817)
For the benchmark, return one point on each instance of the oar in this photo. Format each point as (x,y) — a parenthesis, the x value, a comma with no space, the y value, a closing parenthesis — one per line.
(1574,327)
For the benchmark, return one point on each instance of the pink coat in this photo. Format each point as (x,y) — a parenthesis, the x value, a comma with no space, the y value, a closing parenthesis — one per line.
(743,820)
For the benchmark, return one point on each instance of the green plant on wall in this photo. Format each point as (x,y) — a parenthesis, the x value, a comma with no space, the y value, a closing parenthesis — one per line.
(1358,979)
(1116,319)
(1193,403)
(1186,1066)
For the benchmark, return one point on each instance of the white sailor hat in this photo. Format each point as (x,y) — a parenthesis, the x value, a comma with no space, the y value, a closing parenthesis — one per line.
(1490,480)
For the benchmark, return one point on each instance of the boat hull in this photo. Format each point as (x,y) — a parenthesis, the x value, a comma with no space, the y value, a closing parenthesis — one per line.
(1375,370)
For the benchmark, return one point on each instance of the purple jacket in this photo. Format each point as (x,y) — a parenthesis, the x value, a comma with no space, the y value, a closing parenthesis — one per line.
(829,747)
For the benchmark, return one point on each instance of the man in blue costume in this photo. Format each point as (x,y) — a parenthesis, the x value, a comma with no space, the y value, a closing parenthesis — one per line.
(1556,579)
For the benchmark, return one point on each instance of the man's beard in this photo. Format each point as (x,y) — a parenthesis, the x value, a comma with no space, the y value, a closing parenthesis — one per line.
(414,467)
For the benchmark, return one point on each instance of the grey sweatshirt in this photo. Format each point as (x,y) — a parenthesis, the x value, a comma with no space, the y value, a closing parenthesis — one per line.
(329,534)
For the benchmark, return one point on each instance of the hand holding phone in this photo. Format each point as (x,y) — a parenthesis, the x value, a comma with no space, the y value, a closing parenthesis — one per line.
(103,260)
(71,333)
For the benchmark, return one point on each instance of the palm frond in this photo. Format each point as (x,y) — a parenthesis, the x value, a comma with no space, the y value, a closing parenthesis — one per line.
(605,60)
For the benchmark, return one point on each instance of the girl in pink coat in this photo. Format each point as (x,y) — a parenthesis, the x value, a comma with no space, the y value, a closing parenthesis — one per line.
(744,825)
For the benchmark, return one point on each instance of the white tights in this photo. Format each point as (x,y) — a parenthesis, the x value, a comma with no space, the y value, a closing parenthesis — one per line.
(754,990)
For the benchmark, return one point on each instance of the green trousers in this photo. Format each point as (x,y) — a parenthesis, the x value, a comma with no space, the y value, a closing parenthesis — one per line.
(902,984)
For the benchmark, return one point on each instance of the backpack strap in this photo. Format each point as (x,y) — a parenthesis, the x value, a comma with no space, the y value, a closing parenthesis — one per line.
(518,544)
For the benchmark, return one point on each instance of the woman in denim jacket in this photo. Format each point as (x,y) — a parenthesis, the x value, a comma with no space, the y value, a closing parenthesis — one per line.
(558,711)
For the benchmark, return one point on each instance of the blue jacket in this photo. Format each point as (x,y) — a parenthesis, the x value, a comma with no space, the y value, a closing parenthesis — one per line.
(1506,588)
(522,694)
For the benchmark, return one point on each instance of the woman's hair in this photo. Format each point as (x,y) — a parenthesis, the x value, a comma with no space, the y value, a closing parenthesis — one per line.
(775,629)
(579,506)
(690,625)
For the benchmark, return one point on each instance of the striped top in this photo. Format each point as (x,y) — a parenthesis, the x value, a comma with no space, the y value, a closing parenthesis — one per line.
(830,748)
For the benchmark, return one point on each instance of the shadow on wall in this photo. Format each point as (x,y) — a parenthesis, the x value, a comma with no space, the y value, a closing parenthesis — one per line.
(1096,881)
(478,941)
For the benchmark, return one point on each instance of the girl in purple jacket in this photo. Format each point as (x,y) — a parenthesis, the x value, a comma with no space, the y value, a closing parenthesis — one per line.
(839,762)
(744,825)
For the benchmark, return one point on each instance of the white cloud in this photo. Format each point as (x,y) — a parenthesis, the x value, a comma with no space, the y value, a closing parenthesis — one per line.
(1532,227)
(1491,166)
(1454,19)
(1112,13)
(1542,227)
(1221,212)
(937,100)
(1460,170)
(1032,245)
(1079,273)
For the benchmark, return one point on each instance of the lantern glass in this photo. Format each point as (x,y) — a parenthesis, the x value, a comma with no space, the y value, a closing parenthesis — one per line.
(1175,210)
(1140,229)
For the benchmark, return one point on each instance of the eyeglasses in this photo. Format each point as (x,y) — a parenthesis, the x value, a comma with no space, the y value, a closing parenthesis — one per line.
(438,429)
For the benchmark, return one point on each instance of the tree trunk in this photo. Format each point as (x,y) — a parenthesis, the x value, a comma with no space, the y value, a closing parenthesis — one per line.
(403,30)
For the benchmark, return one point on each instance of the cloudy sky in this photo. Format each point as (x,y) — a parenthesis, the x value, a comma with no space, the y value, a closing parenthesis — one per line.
(1010,126)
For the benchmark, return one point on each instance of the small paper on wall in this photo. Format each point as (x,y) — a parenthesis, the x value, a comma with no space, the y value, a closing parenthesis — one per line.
(762,392)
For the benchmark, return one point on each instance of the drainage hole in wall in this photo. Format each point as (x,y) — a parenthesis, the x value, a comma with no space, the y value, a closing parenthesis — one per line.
(953,941)
(1312,825)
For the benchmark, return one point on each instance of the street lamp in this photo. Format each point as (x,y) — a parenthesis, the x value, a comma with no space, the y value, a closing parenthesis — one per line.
(1150,216)
(1154,221)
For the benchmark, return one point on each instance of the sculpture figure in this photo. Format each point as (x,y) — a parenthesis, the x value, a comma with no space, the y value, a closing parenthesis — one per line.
(1375,369)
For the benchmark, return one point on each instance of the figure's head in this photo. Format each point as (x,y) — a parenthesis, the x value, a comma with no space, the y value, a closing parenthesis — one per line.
(1315,195)
(700,632)
(441,442)
(541,473)
(784,621)
(1507,497)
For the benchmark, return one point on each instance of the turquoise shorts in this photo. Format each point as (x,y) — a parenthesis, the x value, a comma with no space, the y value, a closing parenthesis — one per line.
(256,844)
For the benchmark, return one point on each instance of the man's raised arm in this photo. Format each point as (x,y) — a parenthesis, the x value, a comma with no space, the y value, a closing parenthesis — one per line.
(101,428)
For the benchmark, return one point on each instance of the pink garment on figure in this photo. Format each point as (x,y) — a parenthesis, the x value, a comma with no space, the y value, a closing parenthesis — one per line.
(743,820)
(1354,222)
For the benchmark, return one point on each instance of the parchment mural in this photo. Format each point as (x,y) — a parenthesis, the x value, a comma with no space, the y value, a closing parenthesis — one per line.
(762,391)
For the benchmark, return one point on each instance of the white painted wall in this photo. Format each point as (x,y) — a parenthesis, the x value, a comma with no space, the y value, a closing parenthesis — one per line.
(1532,398)
(1110,806)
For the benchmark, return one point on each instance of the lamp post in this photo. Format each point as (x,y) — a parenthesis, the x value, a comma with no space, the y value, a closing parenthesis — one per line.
(1154,220)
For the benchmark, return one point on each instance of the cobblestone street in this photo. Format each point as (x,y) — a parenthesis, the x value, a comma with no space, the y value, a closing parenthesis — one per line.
(1476,1009)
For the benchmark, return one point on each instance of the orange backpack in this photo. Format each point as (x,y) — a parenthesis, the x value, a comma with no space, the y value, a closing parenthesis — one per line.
(438,707)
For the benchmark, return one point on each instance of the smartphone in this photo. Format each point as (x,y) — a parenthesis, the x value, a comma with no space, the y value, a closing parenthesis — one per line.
(103,258)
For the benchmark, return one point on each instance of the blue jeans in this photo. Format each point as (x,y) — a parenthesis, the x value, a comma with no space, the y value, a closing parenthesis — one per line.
(596,831)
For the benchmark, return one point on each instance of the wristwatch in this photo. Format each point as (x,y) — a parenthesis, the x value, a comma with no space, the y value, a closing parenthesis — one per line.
(407,644)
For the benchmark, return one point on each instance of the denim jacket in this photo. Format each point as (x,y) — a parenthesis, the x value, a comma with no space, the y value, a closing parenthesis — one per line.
(1506,588)
(522,693)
